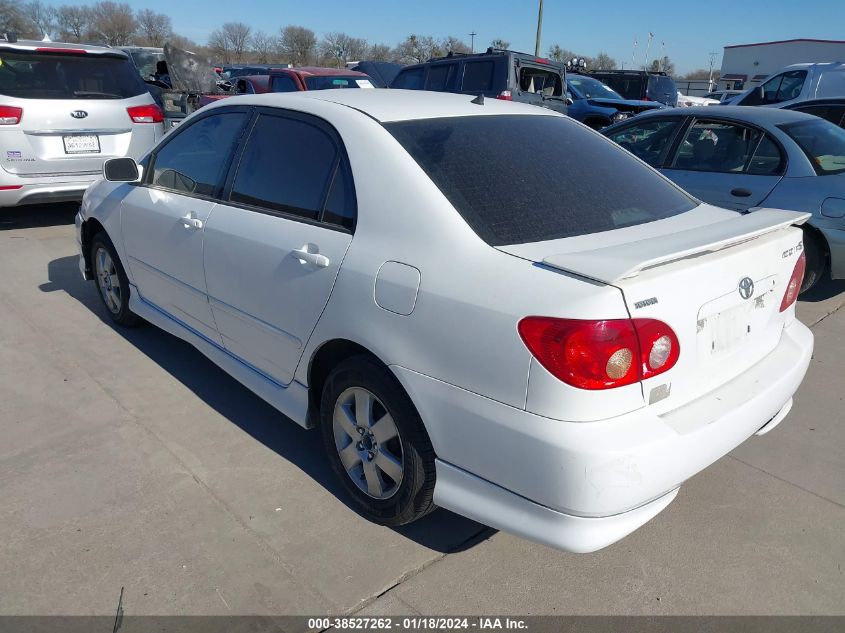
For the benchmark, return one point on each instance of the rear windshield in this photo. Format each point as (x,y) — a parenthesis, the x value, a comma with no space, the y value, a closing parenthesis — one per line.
(341,81)
(822,142)
(517,179)
(46,76)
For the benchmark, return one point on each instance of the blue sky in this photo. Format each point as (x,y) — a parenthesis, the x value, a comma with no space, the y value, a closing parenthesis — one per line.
(689,30)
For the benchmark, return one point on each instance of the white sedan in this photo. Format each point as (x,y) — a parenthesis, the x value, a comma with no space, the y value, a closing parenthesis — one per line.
(482,305)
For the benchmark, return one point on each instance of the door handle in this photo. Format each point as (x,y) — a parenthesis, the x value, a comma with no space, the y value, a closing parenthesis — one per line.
(191,221)
(740,192)
(303,255)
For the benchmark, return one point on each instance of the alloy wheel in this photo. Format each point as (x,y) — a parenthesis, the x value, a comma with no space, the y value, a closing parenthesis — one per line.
(107,280)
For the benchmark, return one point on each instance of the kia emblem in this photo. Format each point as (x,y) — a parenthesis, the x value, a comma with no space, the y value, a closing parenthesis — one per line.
(79,114)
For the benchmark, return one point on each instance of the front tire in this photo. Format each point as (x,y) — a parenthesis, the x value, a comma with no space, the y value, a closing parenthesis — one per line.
(815,265)
(112,283)
(376,443)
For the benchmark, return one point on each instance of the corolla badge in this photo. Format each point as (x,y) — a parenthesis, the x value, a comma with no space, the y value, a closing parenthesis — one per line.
(746,287)
(79,114)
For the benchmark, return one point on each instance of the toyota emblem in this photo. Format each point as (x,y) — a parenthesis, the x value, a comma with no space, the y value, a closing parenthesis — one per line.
(746,287)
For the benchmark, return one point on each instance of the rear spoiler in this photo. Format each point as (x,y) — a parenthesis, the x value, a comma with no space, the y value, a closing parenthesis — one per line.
(611,264)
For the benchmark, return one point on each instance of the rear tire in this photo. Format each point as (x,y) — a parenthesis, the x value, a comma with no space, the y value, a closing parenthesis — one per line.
(376,443)
(815,256)
(111,280)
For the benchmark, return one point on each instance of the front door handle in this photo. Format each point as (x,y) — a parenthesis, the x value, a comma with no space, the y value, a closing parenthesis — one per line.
(191,221)
(303,255)
(740,192)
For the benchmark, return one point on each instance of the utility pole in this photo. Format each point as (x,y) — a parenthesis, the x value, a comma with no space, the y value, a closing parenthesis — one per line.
(539,30)
(472,45)
(712,61)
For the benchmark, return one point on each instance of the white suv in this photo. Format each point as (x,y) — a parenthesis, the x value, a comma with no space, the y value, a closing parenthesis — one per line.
(64,110)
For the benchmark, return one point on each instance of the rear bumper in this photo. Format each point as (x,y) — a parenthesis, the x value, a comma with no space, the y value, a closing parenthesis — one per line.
(594,470)
(28,192)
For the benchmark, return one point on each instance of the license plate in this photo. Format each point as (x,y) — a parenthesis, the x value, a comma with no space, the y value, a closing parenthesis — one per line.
(82,144)
(727,329)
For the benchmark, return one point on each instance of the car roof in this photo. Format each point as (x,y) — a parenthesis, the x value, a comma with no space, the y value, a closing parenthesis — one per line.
(36,45)
(751,114)
(388,105)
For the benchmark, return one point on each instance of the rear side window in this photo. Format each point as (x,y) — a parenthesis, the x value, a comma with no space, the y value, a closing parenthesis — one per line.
(540,81)
(411,79)
(527,178)
(283,83)
(478,76)
(716,146)
(83,76)
(767,159)
(196,158)
(822,142)
(340,81)
(440,77)
(287,166)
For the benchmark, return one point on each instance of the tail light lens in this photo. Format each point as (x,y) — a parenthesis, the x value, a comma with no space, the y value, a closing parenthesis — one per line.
(505,95)
(146,114)
(794,285)
(600,354)
(10,115)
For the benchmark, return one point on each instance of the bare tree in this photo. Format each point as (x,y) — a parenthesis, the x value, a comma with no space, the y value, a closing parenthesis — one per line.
(113,22)
(662,64)
(380,53)
(73,21)
(603,61)
(560,54)
(42,16)
(454,45)
(230,41)
(297,45)
(337,48)
(500,43)
(263,46)
(12,20)
(415,49)
(155,27)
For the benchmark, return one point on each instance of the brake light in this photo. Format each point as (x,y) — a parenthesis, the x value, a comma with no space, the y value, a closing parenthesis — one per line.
(46,49)
(795,281)
(10,115)
(146,114)
(541,60)
(505,95)
(600,354)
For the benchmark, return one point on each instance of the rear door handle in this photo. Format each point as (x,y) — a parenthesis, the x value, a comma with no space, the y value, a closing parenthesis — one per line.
(740,192)
(318,260)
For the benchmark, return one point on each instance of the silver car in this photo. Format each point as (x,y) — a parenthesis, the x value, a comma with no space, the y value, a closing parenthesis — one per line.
(64,110)
(743,158)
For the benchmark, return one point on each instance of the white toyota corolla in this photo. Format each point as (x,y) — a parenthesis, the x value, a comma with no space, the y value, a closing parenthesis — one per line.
(482,305)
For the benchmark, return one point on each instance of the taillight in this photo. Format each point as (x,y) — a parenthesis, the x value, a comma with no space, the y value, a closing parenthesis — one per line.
(146,114)
(646,98)
(600,354)
(505,95)
(794,285)
(10,115)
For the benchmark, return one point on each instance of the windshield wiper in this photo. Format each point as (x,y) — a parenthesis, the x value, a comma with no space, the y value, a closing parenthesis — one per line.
(101,95)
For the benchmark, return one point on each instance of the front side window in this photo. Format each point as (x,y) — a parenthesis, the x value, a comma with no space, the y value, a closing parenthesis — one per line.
(528,178)
(822,142)
(283,83)
(195,160)
(783,87)
(647,140)
(716,146)
(286,166)
(62,76)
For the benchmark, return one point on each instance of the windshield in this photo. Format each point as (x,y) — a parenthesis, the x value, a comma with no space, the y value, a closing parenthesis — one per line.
(45,76)
(822,142)
(589,88)
(517,179)
(327,82)
(146,60)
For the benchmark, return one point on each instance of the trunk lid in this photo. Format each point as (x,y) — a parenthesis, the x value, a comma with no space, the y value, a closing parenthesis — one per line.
(693,274)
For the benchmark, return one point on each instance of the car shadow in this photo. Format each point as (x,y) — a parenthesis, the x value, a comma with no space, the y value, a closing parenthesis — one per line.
(442,530)
(36,215)
(824,289)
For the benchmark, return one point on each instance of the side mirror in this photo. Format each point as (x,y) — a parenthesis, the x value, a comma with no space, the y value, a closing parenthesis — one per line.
(121,170)
(569,99)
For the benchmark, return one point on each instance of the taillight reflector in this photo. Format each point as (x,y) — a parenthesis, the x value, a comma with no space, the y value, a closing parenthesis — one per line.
(795,281)
(10,115)
(600,354)
(10,187)
(505,95)
(146,114)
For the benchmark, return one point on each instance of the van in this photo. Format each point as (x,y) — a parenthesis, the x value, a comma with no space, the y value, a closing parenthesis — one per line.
(796,83)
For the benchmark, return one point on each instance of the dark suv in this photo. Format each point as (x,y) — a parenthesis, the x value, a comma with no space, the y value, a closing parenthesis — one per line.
(640,85)
(497,73)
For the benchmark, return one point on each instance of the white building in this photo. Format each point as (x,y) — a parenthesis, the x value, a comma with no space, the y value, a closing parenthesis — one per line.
(746,65)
